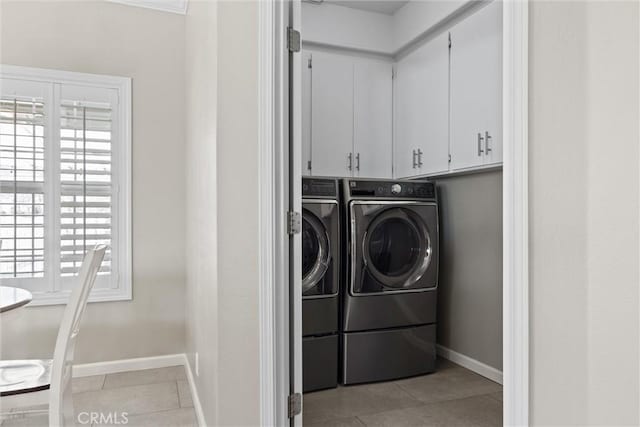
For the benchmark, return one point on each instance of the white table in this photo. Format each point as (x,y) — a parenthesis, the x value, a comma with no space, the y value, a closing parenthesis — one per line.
(12,298)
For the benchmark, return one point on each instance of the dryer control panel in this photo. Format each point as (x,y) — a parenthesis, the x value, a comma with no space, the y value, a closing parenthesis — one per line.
(319,187)
(392,189)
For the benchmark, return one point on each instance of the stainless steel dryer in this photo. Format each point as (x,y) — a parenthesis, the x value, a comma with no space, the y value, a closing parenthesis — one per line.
(389,301)
(320,282)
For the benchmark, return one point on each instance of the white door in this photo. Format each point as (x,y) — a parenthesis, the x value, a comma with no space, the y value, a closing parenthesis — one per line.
(476,80)
(421,116)
(332,115)
(306,112)
(372,132)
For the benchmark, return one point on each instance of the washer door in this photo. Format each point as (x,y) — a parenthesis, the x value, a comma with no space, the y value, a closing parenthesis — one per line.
(316,253)
(397,248)
(394,248)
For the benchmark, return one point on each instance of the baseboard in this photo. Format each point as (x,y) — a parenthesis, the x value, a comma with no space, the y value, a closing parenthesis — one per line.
(194,393)
(124,365)
(471,364)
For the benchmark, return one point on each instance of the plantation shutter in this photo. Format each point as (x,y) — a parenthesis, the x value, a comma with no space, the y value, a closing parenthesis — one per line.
(22,181)
(86,180)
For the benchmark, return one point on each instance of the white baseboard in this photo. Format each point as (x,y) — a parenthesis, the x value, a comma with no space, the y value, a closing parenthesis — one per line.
(194,393)
(124,365)
(471,364)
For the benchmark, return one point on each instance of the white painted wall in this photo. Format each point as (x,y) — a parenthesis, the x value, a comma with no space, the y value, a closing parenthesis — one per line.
(412,19)
(346,27)
(342,26)
(201,211)
(584,183)
(148,46)
(237,177)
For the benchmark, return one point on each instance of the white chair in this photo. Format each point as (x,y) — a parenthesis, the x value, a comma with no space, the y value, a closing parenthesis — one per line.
(36,382)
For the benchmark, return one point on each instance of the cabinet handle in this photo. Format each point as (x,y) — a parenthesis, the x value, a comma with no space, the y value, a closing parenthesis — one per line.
(414,159)
(350,161)
(487,137)
(419,158)
(358,161)
(480,138)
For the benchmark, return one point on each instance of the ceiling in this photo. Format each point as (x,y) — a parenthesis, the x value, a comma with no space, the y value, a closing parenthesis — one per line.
(388,7)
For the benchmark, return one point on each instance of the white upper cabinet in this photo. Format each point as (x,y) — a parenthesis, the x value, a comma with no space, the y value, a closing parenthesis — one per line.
(372,138)
(306,113)
(476,89)
(331,115)
(421,110)
(349,124)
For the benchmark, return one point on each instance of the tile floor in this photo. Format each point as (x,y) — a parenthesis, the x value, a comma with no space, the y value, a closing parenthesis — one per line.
(151,397)
(452,396)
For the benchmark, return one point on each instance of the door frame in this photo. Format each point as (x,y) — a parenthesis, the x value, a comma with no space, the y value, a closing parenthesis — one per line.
(273,126)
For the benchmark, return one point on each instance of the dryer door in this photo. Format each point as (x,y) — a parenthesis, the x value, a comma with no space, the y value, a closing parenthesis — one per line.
(394,247)
(315,251)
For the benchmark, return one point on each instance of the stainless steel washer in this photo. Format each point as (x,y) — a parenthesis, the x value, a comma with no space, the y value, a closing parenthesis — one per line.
(389,301)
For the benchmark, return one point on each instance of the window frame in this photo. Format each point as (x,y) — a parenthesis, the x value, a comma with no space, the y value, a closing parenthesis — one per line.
(121,176)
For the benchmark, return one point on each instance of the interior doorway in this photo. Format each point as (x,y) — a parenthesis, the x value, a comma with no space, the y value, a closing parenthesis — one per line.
(513,134)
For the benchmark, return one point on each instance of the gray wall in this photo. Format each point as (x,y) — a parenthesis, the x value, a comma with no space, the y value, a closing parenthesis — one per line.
(148,46)
(470,287)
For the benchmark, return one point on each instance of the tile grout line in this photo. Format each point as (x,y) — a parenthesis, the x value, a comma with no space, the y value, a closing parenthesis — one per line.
(178,393)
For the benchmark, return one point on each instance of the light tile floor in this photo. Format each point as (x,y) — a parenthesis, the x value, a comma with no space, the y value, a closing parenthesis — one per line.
(151,397)
(452,396)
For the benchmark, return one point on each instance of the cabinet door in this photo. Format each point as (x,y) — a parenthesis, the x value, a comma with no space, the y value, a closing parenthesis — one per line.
(421,116)
(372,118)
(491,17)
(306,113)
(331,114)
(476,81)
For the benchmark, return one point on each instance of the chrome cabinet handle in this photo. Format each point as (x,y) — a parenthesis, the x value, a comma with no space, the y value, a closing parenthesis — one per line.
(415,164)
(419,158)
(487,137)
(350,161)
(480,139)
(358,161)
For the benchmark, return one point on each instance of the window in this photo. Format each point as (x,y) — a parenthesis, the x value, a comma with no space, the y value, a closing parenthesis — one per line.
(65,169)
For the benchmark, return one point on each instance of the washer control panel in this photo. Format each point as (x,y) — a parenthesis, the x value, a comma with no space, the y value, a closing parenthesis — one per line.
(319,187)
(392,189)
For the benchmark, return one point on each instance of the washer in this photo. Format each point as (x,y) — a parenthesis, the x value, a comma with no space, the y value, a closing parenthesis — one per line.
(320,282)
(391,277)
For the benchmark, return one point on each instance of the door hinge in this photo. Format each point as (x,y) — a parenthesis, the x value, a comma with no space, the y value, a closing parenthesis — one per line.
(393,73)
(295,404)
(294,222)
(309,63)
(309,165)
(449,40)
(293,40)
(449,158)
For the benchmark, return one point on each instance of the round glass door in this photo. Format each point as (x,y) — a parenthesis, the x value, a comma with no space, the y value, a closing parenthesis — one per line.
(315,251)
(397,248)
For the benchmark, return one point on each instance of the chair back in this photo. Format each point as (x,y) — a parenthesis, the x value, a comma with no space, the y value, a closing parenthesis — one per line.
(61,412)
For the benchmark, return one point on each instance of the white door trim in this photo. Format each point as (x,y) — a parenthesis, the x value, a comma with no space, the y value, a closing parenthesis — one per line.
(274,327)
(267,194)
(515,194)
(273,175)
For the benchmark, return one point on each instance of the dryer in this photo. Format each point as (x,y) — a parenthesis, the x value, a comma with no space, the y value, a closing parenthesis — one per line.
(391,279)
(320,282)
